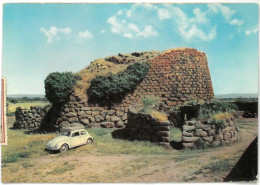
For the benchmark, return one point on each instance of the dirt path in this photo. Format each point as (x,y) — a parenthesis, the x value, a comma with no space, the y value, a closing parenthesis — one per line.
(179,166)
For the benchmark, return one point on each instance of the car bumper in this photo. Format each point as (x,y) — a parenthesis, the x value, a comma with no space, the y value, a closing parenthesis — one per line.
(51,148)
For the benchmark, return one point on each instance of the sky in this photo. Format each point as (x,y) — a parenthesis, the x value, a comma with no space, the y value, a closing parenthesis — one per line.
(39,39)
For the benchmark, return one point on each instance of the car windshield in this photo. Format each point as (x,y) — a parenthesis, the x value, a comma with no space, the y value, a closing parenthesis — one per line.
(64,133)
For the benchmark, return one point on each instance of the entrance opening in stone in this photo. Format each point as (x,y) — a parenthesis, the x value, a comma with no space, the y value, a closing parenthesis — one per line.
(175,137)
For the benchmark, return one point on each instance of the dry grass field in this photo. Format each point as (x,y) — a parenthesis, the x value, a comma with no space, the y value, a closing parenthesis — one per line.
(26,105)
(110,160)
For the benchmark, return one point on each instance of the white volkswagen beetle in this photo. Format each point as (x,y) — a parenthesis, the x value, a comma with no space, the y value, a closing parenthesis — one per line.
(69,139)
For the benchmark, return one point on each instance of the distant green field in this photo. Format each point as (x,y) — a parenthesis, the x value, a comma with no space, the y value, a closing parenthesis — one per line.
(12,106)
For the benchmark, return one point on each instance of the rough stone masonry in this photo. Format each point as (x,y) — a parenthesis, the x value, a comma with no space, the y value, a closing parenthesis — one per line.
(176,76)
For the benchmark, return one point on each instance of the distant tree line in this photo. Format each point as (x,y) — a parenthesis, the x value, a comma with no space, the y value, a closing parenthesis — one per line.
(26,99)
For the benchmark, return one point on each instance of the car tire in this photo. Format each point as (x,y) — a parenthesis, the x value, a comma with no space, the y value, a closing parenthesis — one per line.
(89,141)
(64,148)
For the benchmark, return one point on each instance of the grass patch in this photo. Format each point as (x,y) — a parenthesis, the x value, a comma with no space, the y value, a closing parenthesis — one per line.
(27,165)
(222,165)
(21,145)
(175,134)
(159,115)
(26,105)
(62,168)
(105,144)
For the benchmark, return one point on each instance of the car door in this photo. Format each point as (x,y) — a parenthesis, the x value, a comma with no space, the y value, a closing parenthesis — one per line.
(83,137)
(75,139)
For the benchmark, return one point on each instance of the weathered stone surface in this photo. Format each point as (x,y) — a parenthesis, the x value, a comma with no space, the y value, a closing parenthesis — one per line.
(188,145)
(206,127)
(64,124)
(84,121)
(164,123)
(227,136)
(110,112)
(73,119)
(81,113)
(200,133)
(208,139)
(115,119)
(120,124)
(187,134)
(108,118)
(107,124)
(71,114)
(95,113)
(99,118)
(78,125)
(119,113)
(188,128)
(85,108)
(124,117)
(189,139)
(91,119)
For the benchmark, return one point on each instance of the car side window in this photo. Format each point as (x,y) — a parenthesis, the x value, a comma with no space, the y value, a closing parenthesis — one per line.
(82,133)
(75,134)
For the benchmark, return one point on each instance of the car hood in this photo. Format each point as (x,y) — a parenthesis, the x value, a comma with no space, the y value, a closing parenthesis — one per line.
(56,140)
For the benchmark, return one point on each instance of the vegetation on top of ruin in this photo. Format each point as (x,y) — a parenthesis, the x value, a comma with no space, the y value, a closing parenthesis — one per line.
(111,64)
(59,86)
(112,88)
(148,106)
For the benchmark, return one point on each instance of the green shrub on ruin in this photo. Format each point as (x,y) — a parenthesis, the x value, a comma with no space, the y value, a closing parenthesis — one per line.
(112,88)
(149,102)
(59,86)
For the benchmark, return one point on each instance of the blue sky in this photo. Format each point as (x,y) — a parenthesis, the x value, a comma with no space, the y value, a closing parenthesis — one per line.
(42,38)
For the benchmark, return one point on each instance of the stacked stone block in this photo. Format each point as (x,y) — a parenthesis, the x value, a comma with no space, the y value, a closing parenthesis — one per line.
(192,131)
(143,126)
(78,111)
(29,118)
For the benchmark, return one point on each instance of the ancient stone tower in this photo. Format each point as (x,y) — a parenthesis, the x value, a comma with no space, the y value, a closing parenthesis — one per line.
(176,76)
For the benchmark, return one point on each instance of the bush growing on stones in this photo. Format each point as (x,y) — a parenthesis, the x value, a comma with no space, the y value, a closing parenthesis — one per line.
(113,88)
(59,86)
(149,102)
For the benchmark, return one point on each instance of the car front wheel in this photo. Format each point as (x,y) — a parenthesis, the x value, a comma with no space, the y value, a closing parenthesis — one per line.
(89,141)
(64,148)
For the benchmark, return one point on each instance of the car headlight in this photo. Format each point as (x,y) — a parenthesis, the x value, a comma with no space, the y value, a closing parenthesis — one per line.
(56,146)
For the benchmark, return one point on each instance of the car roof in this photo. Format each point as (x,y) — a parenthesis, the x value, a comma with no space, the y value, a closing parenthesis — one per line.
(72,129)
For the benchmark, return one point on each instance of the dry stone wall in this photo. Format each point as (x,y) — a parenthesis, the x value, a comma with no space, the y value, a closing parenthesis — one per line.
(143,126)
(29,118)
(193,131)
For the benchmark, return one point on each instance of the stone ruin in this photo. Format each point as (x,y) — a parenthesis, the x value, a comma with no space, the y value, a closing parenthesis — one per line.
(176,76)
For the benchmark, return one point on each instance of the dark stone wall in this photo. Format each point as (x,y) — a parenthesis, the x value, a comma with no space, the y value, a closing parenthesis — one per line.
(193,131)
(143,126)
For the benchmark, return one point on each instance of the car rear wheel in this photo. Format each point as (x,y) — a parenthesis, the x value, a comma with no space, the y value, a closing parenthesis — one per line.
(64,148)
(89,141)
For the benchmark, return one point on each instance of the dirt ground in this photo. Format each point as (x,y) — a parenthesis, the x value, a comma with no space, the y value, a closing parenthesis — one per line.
(179,166)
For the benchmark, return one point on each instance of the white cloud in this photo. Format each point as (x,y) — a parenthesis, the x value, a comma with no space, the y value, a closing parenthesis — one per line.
(122,23)
(252,30)
(200,17)
(55,34)
(85,35)
(226,12)
(65,31)
(147,32)
(187,27)
(163,13)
